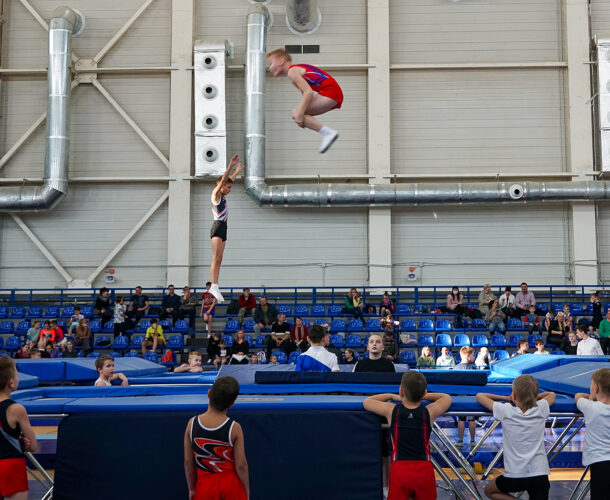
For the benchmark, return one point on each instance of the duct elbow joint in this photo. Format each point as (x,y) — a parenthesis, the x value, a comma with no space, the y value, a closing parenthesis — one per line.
(75,18)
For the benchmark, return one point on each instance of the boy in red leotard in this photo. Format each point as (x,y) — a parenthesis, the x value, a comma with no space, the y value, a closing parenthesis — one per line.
(321,93)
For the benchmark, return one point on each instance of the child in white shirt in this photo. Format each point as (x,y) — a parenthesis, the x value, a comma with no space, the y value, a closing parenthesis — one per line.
(539,344)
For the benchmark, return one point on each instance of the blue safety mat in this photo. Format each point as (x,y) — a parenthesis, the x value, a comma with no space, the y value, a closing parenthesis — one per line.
(176,378)
(569,379)
(47,370)
(533,363)
(27,381)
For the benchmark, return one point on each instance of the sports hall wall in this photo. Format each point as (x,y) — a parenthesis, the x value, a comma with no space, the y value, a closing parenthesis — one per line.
(443,123)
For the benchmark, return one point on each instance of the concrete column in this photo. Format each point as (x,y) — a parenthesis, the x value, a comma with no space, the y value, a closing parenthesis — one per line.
(580,144)
(379,219)
(180,136)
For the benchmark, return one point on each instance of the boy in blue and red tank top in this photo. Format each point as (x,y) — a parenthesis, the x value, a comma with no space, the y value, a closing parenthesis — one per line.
(214,455)
(411,472)
(16,436)
(321,93)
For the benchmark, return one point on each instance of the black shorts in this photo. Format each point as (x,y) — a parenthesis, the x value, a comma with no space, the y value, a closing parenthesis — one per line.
(219,230)
(537,487)
(600,480)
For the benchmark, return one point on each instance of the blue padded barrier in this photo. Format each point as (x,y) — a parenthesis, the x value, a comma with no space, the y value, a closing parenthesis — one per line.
(569,379)
(47,370)
(27,381)
(176,378)
(531,363)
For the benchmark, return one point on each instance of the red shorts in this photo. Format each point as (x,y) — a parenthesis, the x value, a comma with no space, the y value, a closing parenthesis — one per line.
(13,476)
(219,486)
(412,479)
(333,91)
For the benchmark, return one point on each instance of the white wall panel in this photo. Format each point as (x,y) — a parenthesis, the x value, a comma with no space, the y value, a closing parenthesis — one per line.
(477,121)
(600,17)
(440,31)
(477,245)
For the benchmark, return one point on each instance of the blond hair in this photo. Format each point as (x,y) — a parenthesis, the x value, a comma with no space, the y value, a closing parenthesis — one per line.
(280,53)
(525,388)
(466,351)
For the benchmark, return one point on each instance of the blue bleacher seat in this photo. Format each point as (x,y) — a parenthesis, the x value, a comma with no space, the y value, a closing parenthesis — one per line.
(143,326)
(543,307)
(232,326)
(66,312)
(131,354)
(443,325)
(425,325)
(403,310)
(182,326)
(558,306)
(334,310)
(114,354)
(1,343)
(443,340)
(23,327)
(3,312)
(420,309)
(425,339)
(248,326)
(353,341)
(17,312)
(166,324)
(260,341)
(577,309)
(354,325)
(531,339)
(338,325)
(136,342)
(514,324)
(7,327)
(408,325)
(292,359)
(461,339)
(151,356)
(498,340)
(121,342)
(408,357)
(284,309)
(281,357)
(480,340)
(52,312)
(34,312)
(94,354)
(337,340)
(87,311)
(13,344)
(478,324)
(558,352)
(248,338)
(307,323)
(501,354)
(228,340)
(317,310)
(108,326)
(101,339)
(175,342)
(372,325)
(323,322)
(301,310)
(514,339)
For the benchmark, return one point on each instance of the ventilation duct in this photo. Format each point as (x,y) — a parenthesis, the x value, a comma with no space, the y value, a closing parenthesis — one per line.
(303,16)
(329,195)
(64,23)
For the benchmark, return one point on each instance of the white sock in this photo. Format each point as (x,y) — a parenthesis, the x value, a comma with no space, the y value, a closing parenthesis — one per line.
(327,130)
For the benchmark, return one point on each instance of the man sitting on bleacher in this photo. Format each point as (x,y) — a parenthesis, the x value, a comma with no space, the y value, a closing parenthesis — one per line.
(264,315)
(280,337)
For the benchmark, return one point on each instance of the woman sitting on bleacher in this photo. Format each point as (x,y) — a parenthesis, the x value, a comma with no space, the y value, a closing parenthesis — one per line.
(299,333)
(354,305)
(426,360)
(445,360)
(556,327)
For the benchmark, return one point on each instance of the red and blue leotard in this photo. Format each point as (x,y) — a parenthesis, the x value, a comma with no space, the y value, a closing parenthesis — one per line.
(322,83)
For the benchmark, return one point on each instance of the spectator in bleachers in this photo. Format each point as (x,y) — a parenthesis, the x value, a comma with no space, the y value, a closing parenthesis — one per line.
(587,346)
(36,354)
(390,346)
(604,333)
(170,305)
(253,359)
(376,362)
(556,328)
(570,345)
(349,357)
(426,360)
(280,336)
(23,352)
(299,333)
(74,319)
(69,351)
(485,297)
(208,307)
(264,315)
(467,359)
(102,306)
(446,359)
(273,359)
(483,359)
(188,307)
(51,350)
(522,348)
(83,335)
(45,334)
(154,336)
(523,300)
(120,316)
(495,317)
(532,321)
(105,367)
(507,303)
(568,319)
(212,348)
(455,305)
(60,335)
(193,366)
(247,304)
(597,310)
(539,345)
(388,324)
(240,349)
(354,305)
(386,306)
(138,305)
(223,353)
(33,334)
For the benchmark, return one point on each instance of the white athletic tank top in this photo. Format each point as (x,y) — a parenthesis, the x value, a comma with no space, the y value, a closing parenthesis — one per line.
(220,211)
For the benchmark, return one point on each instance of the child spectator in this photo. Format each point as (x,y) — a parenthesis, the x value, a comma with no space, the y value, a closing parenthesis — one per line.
(212,348)
(426,360)
(214,454)
(587,346)
(597,310)
(51,350)
(208,307)
(105,368)
(522,348)
(467,358)
(247,304)
(74,319)
(45,334)
(69,351)
(253,359)
(496,317)
(239,349)
(570,345)
(532,321)
(273,359)
(390,346)
(386,306)
(83,335)
(349,357)
(483,359)
(33,334)
(595,407)
(539,345)
(16,436)
(120,316)
(411,472)
(35,354)
(154,336)
(375,362)
(317,358)
(526,467)
(299,333)
(193,366)
(223,353)
(388,324)
(446,359)
(59,333)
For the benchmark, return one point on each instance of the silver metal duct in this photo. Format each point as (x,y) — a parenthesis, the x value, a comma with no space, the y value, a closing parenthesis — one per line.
(64,23)
(303,16)
(344,195)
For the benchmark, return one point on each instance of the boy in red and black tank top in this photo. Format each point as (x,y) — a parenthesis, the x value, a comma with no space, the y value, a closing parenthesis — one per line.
(411,472)
(214,455)
(321,93)
(16,435)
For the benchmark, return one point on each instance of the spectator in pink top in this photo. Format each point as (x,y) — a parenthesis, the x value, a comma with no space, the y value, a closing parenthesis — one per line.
(523,300)
(455,305)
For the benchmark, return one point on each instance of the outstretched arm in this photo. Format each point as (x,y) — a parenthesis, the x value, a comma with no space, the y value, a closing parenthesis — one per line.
(227,174)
